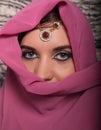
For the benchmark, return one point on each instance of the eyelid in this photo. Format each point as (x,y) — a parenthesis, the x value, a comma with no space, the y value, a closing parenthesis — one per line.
(28,50)
(61,51)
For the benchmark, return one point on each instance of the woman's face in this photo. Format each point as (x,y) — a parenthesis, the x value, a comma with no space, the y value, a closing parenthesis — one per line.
(52,61)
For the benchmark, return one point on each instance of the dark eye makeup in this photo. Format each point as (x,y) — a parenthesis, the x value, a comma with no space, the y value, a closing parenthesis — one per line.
(29,54)
(62,55)
(59,56)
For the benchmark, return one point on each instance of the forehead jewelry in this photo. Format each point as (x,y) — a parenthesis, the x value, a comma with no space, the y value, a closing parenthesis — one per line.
(46,30)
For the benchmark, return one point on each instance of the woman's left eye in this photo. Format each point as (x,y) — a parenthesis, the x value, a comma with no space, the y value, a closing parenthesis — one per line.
(62,56)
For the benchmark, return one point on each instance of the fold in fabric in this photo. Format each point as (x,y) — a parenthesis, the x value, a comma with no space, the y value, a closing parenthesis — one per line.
(29,103)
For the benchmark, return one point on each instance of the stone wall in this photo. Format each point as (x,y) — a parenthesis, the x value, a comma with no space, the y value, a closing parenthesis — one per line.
(92,9)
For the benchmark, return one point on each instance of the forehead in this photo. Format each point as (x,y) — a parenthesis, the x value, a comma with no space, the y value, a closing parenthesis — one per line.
(59,37)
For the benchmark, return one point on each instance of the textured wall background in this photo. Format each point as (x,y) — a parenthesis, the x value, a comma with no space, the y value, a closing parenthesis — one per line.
(8,8)
(91,8)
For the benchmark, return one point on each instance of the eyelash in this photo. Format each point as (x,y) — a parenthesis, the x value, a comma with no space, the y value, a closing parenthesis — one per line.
(60,56)
(65,55)
(27,54)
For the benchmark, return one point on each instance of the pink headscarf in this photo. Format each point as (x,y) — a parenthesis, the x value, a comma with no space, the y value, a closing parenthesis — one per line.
(29,103)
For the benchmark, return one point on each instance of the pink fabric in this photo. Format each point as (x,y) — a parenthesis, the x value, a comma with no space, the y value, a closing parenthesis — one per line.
(29,103)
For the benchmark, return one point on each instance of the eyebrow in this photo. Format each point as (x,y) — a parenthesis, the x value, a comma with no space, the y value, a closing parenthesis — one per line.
(62,47)
(55,49)
(27,47)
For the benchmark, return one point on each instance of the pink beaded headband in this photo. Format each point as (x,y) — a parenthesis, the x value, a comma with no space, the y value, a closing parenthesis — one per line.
(46,30)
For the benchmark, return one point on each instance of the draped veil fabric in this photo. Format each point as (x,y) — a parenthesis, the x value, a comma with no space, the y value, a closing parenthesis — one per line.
(29,103)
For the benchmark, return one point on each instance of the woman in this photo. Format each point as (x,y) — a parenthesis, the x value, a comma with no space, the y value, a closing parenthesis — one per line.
(53,79)
(46,49)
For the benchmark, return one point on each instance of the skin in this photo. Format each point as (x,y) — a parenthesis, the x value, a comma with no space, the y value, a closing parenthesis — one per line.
(52,60)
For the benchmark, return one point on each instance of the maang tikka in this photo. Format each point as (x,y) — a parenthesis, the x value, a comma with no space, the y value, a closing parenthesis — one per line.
(46,30)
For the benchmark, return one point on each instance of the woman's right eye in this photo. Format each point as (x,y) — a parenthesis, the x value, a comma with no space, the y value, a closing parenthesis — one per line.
(29,55)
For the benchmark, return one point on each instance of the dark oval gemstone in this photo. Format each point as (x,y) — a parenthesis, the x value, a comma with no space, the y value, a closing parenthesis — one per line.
(45,35)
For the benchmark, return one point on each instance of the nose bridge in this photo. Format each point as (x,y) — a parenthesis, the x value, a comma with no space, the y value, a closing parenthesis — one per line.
(43,69)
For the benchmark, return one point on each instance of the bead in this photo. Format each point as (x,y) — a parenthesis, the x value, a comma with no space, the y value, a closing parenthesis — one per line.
(56,24)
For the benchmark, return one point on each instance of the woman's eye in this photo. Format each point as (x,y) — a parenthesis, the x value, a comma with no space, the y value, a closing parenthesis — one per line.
(29,55)
(62,56)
